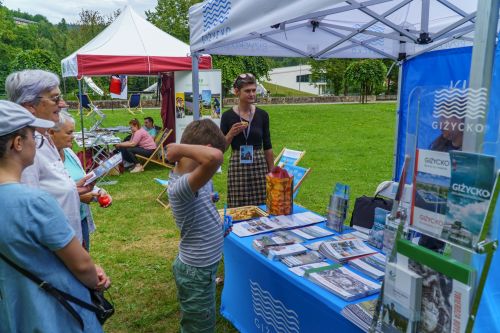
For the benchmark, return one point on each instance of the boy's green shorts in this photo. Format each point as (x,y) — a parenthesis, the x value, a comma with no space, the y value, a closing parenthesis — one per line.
(196,294)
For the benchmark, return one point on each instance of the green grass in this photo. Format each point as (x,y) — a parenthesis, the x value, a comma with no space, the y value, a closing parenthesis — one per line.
(136,239)
(277,90)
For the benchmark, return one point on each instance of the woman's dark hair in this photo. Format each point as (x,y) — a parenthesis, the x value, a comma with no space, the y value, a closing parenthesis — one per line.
(243,80)
(5,139)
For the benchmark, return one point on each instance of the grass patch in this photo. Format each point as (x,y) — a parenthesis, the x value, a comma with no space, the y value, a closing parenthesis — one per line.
(277,90)
(136,239)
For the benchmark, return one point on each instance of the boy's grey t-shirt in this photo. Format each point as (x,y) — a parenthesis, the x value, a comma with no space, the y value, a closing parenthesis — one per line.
(198,220)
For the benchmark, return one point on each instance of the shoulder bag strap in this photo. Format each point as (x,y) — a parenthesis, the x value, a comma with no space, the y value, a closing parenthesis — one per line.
(61,296)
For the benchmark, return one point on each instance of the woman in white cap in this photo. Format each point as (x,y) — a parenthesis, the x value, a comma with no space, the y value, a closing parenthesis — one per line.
(35,236)
(38,91)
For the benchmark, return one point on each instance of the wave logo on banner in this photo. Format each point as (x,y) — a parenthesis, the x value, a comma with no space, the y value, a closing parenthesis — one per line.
(215,12)
(453,105)
(273,311)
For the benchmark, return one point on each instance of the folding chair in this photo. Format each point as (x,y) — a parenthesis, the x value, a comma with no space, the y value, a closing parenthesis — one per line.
(162,198)
(134,104)
(299,174)
(289,156)
(86,104)
(159,155)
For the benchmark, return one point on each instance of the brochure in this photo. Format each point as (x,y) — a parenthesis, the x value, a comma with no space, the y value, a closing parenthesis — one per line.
(472,179)
(361,314)
(337,208)
(297,220)
(430,191)
(342,282)
(303,259)
(300,270)
(341,251)
(104,168)
(277,238)
(371,265)
(254,227)
(311,232)
(278,252)
(446,287)
(376,237)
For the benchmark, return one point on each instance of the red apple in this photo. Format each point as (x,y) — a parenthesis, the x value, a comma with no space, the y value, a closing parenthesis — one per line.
(104,200)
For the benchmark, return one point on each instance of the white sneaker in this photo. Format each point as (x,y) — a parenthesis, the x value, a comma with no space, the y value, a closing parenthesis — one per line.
(138,168)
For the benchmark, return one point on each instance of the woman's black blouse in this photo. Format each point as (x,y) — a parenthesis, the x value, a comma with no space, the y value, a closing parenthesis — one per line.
(259,136)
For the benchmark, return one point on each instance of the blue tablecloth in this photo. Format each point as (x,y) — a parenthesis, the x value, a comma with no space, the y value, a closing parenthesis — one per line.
(261,295)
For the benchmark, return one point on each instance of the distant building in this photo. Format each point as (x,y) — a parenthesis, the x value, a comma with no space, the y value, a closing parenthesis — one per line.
(21,21)
(298,78)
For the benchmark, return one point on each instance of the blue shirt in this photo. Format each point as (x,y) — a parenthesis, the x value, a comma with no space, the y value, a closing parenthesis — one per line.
(202,236)
(76,173)
(32,227)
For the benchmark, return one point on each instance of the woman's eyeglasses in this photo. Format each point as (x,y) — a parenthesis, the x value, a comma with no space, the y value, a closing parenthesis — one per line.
(55,99)
(39,139)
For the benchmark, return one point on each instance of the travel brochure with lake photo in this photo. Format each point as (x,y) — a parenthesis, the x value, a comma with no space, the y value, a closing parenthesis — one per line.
(472,179)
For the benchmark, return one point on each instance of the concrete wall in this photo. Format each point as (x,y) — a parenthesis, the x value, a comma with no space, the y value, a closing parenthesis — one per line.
(287,77)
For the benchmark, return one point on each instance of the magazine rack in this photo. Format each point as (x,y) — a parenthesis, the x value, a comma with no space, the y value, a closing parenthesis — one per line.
(442,113)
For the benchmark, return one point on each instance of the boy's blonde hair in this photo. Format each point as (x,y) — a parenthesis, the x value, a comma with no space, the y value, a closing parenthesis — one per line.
(204,132)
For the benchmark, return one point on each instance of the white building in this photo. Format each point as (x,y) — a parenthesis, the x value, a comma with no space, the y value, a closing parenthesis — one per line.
(298,78)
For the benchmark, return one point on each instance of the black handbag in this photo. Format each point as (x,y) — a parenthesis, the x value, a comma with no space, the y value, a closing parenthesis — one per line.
(100,305)
(364,210)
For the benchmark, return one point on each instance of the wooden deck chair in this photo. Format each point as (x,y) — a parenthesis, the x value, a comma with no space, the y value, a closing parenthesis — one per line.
(134,104)
(86,104)
(289,156)
(299,174)
(159,155)
(162,198)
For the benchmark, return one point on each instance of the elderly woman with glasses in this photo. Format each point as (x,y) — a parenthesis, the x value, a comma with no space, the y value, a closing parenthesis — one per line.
(35,236)
(246,128)
(62,136)
(38,91)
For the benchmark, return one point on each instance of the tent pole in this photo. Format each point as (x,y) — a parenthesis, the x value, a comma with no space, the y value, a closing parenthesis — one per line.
(396,132)
(480,73)
(81,122)
(196,87)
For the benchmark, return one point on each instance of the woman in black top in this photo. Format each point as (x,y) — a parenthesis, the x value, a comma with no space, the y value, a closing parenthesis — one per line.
(247,131)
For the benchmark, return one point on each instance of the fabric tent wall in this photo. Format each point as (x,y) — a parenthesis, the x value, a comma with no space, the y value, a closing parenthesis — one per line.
(422,75)
(168,104)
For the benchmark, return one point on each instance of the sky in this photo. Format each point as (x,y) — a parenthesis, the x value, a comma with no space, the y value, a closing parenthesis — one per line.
(55,10)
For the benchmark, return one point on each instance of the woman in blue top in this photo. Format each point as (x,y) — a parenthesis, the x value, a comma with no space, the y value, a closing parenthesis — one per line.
(62,135)
(35,235)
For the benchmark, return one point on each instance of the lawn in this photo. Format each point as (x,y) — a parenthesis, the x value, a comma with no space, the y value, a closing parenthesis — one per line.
(136,238)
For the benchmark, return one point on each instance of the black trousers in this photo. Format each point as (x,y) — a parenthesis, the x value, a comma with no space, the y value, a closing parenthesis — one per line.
(128,153)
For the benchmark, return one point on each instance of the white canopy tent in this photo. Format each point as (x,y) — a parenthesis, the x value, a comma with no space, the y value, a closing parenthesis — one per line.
(322,29)
(130,45)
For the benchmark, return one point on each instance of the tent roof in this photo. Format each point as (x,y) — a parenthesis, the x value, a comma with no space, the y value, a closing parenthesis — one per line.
(130,45)
(330,28)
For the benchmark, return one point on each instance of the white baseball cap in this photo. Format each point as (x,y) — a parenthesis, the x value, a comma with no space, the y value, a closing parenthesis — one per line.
(13,117)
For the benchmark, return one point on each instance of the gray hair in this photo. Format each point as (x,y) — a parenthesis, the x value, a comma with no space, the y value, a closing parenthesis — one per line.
(64,117)
(25,86)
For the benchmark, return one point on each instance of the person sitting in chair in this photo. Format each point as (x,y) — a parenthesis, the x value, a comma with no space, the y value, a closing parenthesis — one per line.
(140,143)
(150,127)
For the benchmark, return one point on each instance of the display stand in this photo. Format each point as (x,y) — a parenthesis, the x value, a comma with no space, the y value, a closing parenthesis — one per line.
(438,128)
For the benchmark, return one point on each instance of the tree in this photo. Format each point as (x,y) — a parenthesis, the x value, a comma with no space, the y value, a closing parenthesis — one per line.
(368,74)
(35,59)
(332,71)
(232,66)
(172,16)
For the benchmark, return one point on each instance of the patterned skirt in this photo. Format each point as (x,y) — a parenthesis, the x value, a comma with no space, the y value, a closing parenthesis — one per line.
(246,184)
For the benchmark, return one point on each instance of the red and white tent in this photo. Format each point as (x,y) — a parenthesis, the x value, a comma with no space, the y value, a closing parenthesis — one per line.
(130,45)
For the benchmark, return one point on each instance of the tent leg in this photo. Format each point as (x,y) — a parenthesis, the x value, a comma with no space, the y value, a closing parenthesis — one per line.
(81,123)
(196,87)
(396,132)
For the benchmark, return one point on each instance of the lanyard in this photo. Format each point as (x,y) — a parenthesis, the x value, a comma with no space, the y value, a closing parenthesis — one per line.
(246,132)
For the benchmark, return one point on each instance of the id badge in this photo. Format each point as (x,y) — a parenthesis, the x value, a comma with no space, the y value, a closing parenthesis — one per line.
(246,154)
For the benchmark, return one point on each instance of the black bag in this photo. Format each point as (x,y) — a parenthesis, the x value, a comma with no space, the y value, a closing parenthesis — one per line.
(364,210)
(100,305)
